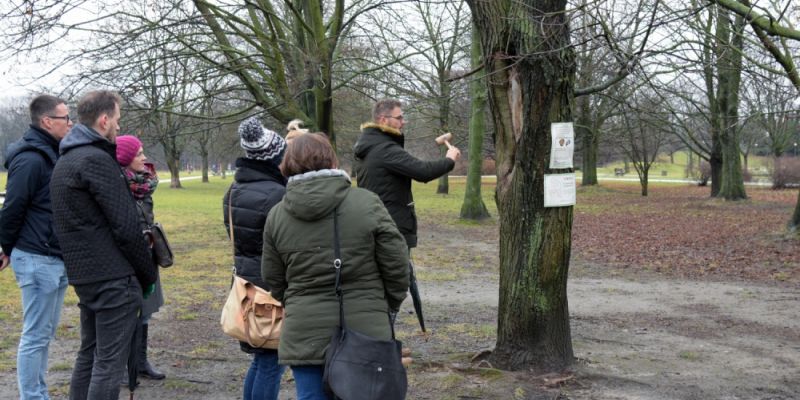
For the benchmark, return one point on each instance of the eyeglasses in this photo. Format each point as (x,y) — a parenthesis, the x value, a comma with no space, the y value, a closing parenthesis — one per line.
(65,117)
(400,118)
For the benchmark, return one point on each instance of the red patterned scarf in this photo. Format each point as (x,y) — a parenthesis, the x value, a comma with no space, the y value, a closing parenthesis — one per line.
(142,184)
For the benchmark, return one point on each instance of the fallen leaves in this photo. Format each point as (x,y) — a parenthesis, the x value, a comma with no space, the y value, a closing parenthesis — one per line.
(679,230)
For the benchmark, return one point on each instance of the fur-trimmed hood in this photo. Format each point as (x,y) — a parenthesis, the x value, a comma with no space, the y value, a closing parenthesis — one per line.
(383,128)
(374,136)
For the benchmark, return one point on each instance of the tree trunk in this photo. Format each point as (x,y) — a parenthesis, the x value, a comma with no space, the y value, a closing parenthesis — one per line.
(729,80)
(444,124)
(715,162)
(746,155)
(174,165)
(173,159)
(473,206)
(794,223)
(530,69)
(205,167)
(644,180)
(444,180)
(591,144)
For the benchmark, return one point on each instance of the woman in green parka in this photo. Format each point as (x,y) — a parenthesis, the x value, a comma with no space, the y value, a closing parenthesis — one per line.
(297,262)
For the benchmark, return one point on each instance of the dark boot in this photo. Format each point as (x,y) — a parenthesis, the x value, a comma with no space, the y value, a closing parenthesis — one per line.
(145,369)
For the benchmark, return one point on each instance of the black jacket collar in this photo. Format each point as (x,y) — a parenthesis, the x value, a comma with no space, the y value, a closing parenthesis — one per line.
(249,170)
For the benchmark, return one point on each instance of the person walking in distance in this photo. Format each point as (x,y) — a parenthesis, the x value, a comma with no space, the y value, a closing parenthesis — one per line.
(108,260)
(29,241)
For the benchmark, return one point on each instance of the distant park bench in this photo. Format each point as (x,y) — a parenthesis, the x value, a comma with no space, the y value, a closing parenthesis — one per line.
(619,171)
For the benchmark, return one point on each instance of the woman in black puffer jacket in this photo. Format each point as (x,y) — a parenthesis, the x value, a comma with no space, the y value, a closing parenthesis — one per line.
(258,186)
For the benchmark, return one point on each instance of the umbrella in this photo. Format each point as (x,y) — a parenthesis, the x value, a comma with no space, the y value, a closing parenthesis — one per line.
(133,359)
(414,289)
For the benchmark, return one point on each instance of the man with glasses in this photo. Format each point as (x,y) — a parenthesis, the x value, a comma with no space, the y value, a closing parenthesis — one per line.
(384,167)
(29,242)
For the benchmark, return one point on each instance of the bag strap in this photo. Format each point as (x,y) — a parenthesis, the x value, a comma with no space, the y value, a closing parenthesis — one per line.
(230,227)
(337,265)
(230,218)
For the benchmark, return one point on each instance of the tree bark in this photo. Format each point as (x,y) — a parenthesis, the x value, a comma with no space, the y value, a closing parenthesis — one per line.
(794,223)
(729,70)
(530,70)
(473,206)
(643,181)
(444,124)
(591,144)
(205,167)
(172,155)
(174,165)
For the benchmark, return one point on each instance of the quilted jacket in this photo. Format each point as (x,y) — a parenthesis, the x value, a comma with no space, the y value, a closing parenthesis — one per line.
(96,217)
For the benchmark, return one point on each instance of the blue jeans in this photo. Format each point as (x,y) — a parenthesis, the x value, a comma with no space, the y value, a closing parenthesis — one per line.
(263,380)
(43,281)
(308,380)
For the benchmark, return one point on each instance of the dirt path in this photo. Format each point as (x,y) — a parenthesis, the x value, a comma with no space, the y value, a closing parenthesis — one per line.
(634,338)
(672,339)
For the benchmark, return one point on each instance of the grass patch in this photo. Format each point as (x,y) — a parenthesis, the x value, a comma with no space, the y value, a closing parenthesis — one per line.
(451,381)
(62,366)
(179,384)
(689,355)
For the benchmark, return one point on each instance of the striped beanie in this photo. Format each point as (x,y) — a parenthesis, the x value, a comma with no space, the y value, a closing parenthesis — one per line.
(260,143)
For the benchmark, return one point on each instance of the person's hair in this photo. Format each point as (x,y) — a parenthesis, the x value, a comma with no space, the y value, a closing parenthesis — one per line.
(309,152)
(95,104)
(384,107)
(295,129)
(42,105)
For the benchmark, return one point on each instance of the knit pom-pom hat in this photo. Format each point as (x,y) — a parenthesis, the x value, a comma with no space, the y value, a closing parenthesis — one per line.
(127,148)
(260,143)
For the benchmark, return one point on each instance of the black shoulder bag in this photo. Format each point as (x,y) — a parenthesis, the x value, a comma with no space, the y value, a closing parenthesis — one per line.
(357,366)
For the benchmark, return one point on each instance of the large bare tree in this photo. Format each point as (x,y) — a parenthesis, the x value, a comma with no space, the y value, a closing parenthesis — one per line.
(529,65)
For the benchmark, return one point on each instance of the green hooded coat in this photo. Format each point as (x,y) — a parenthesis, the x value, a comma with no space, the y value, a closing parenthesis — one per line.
(297,263)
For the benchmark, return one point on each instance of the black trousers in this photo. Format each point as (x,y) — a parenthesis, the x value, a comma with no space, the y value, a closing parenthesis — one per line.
(109,315)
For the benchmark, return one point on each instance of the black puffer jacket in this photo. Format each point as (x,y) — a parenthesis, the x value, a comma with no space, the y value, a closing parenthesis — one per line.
(385,168)
(96,217)
(258,186)
(26,220)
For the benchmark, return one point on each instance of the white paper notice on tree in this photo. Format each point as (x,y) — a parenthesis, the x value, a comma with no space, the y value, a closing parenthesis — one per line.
(559,190)
(563,145)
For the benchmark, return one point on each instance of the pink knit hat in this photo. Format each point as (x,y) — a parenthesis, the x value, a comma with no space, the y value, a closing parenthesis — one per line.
(127,147)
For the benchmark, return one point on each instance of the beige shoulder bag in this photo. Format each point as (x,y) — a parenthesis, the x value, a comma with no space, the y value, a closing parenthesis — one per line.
(250,313)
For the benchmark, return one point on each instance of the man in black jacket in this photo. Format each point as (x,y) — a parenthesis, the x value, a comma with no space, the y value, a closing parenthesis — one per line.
(107,259)
(383,166)
(27,237)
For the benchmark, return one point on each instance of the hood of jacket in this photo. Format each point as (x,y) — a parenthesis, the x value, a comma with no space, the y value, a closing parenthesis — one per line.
(315,194)
(374,135)
(81,135)
(35,139)
(250,170)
